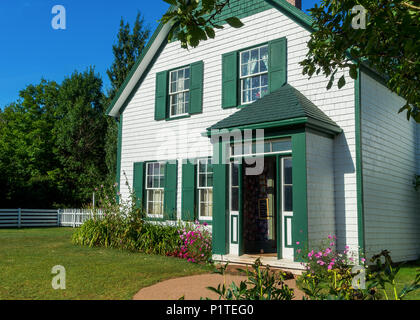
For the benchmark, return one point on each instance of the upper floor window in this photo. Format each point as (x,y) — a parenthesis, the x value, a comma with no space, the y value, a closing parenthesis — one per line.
(179,91)
(254,74)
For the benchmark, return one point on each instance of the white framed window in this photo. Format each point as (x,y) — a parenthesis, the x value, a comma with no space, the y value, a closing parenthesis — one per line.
(287,185)
(249,148)
(179,92)
(205,189)
(234,187)
(254,74)
(155,188)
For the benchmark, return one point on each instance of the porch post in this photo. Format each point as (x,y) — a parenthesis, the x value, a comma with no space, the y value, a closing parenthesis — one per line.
(220,200)
(300,202)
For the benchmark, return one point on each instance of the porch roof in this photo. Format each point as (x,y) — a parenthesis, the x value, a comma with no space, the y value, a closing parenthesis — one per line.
(286,103)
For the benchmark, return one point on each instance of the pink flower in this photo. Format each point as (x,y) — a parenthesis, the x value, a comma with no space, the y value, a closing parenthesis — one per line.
(363,259)
(298,251)
(330,237)
(320,262)
(298,243)
(330,267)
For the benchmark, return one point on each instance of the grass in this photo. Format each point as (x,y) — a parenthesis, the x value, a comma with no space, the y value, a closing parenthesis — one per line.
(28,255)
(405,276)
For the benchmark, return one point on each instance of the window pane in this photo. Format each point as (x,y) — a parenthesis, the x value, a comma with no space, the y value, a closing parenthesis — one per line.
(187,73)
(246,83)
(162,182)
(255,82)
(156,168)
(264,53)
(263,66)
(255,94)
(288,198)
(235,199)
(149,181)
(187,84)
(174,76)
(245,57)
(235,174)
(281,146)
(246,96)
(267,147)
(264,91)
(202,180)
(156,182)
(210,180)
(288,179)
(264,80)
(202,166)
(254,54)
(255,67)
(244,70)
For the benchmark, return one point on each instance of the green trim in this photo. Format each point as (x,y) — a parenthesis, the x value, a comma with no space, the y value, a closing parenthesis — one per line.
(231,229)
(241,208)
(279,208)
(188,191)
(300,199)
(359,164)
(220,201)
(119,147)
(136,65)
(293,13)
(286,231)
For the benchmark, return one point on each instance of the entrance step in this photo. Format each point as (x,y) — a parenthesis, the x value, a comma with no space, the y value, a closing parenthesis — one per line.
(268,260)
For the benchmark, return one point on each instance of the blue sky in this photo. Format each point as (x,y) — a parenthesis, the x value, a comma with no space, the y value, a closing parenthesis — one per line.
(31,49)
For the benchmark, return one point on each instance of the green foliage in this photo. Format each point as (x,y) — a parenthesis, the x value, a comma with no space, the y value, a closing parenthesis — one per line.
(79,127)
(330,275)
(261,285)
(196,20)
(122,226)
(27,147)
(390,44)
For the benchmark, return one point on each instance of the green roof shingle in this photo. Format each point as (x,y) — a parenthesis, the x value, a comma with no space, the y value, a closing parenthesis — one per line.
(285,103)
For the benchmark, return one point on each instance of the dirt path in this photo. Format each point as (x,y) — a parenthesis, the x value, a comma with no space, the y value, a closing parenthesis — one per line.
(195,287)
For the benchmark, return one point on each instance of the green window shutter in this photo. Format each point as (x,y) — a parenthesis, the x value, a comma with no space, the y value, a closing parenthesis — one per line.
(138,182)
(196,87)
(161,96)
(188,191)
(171,175)
(230,80)
(277,63)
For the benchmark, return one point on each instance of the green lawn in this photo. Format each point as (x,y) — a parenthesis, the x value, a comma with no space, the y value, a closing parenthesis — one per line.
(27,257)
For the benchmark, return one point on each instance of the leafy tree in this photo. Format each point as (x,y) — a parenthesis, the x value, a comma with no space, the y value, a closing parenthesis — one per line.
(79,131)
(390,44)
(196,21)
(126,51)
(26,148)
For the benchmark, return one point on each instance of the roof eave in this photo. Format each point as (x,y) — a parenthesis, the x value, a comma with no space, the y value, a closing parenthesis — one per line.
(139,68)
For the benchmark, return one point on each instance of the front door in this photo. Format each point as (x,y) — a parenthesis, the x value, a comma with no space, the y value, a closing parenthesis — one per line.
(259,210)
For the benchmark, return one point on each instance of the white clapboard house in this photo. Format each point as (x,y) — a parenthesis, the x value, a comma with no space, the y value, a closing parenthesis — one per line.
(338,161)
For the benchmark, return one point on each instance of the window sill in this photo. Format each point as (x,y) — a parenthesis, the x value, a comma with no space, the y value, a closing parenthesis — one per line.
(184,116)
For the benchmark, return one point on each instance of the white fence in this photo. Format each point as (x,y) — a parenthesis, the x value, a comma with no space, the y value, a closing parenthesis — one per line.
(30,218)
(76,217)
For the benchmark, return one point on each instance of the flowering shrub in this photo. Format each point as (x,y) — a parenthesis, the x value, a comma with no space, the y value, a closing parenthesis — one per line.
(195,243)
(329,275)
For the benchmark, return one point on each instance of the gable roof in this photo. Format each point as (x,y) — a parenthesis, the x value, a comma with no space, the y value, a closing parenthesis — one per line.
(286,103)
(160,36)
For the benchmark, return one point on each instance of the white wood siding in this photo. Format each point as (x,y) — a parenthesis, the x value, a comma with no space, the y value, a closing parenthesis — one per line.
(320,181)
(391,205)
(145,139)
